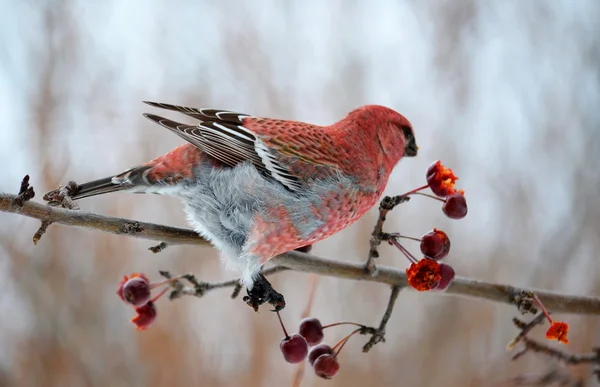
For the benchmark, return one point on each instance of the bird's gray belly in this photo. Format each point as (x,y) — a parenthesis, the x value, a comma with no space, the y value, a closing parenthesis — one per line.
(222,203)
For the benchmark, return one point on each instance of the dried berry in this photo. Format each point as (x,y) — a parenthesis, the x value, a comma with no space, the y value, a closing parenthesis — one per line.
(424,275)
(441,180)
(146,314)
(558,331)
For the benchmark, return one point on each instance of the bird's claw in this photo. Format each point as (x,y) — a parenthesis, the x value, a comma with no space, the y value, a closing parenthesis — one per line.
(262,292)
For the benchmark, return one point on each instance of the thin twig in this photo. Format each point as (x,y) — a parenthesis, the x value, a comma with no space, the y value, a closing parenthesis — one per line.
(563,356)
(387,204)
(200,288)
(158,248)
(525,302)
(548,378)
(559,303)
(26,193)
(379,335)
(530,345)
(41,231)
(525,329)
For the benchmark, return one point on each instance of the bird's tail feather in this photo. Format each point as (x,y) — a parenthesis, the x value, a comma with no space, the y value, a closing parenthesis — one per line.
(92,188)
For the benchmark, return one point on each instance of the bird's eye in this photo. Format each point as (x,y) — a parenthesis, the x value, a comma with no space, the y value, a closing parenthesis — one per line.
(408,133)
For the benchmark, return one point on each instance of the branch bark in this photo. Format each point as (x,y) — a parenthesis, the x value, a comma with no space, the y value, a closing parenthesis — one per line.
(119,226)
(558,303)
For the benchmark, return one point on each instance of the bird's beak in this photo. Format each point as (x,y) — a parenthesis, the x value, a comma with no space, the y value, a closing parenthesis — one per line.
(410,150)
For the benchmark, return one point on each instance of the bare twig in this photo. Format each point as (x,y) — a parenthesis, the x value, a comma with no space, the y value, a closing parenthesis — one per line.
(531,345)
(563,356)
(200,288)
(379,335)
(26,193)
(550,377)
(387,204)
(525,302)
(559,303)
(41,231)
(525,329)
(158,248)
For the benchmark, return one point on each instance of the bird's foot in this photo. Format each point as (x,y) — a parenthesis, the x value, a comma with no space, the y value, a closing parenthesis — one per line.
(62,196)
(262,292)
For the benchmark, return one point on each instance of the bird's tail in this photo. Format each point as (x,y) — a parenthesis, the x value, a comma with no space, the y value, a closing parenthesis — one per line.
(125,181)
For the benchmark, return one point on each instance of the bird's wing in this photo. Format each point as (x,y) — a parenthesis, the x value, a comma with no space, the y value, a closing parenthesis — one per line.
(233,138)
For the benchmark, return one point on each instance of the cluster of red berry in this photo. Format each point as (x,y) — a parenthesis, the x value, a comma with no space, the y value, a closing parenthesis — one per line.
(441,181)
(322,357)
(428,273)
(135,290)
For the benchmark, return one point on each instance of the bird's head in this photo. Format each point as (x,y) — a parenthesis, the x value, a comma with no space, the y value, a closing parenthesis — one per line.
(394,135)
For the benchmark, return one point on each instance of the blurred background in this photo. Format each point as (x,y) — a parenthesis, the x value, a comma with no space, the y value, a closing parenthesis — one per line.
(507,93)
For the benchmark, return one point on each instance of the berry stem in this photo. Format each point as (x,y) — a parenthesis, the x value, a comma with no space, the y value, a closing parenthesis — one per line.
(539,302)
(343,323)
(167,281)
(408,237)
(282,326)
(414,191)
(394,242)
(159,295)
(343,342)
(430,196)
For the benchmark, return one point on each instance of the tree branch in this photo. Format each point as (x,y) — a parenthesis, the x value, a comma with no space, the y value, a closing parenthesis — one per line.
(507,294)
(386,205)
(531,345)
(379,335)
(119,226)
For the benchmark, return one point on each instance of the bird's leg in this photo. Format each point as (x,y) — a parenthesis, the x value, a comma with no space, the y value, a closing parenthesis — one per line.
(262,292)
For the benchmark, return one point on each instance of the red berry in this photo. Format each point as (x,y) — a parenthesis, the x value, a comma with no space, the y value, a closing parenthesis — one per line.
(312,330)
(441,180)
(326,366)
(294,348)
(424,275)
(447,273)
(136,291)
(317,351)
(435,244)
(146,316)
(455,206)
(304,249)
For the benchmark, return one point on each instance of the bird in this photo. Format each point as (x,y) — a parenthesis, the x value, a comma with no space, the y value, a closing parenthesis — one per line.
(258,187)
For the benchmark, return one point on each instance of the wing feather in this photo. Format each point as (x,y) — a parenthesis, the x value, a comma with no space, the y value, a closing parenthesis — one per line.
(221,134)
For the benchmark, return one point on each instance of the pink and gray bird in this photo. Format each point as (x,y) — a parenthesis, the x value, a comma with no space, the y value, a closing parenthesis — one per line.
(258,187)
